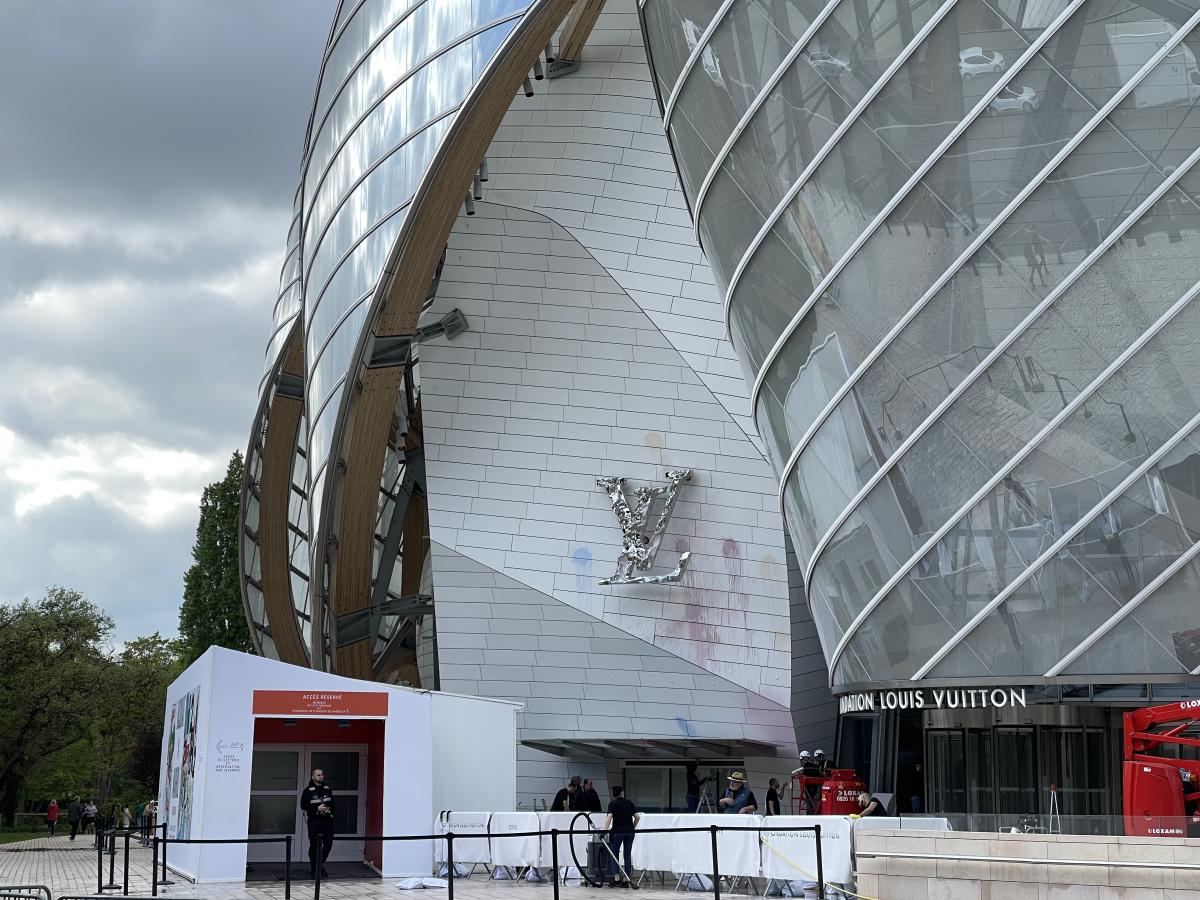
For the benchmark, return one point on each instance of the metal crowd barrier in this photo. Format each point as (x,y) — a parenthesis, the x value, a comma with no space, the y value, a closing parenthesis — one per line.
(449,836)
(25,892)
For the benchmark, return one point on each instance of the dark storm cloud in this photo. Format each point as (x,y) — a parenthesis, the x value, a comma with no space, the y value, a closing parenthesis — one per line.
(144,105)
(148,157)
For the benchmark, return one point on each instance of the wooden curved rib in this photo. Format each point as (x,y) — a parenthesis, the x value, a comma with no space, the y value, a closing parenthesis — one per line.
(364,417)
(275,486)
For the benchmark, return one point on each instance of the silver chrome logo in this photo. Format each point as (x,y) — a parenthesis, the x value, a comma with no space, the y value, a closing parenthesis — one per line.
(639,547)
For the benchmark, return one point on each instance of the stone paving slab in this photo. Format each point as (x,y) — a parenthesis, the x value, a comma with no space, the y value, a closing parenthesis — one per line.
(69,868)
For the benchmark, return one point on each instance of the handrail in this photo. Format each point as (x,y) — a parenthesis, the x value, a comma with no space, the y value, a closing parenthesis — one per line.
(1107,863)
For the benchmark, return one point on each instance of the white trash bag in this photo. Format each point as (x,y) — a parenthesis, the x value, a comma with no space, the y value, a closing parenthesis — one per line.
(415,884)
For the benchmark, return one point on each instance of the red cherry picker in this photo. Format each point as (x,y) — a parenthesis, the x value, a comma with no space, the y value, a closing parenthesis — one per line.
(1162,793)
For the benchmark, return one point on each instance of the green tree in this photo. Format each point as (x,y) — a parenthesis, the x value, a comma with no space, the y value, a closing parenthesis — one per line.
(53,674)
(212,611)
(135,699)
(115,754)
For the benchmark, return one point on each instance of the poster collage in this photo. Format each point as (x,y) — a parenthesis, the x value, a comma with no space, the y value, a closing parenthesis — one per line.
(181,762)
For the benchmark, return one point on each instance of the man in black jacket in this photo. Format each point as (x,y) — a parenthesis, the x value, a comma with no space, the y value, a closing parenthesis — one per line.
(316,801)
(74,815)
(587,799)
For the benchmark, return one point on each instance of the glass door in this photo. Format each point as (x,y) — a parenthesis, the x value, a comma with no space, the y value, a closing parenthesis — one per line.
(346,775)
(274,799)
(1016,775)
(279,773)
(947,772)
(648,787)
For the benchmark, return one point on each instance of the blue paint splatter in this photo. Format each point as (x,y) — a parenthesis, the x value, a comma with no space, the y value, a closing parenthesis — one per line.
(582,558)
(685,726)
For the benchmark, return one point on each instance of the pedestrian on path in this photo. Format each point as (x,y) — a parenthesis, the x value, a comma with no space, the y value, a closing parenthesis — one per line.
(125,817)
(90,811)
(74,816)
(51,817)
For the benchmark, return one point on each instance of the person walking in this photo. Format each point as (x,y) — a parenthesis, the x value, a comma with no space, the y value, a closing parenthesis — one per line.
(149,814)
(90,811)
(622,818)
(51,817)
(316,801)
(74,816)
(126,817)
(772,797)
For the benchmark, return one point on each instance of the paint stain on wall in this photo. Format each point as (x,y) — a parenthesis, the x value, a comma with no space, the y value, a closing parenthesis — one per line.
(732,551)
(734,566)
(654,439)
(581,559)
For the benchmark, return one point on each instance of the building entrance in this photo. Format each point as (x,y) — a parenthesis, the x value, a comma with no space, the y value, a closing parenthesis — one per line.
(989,769)
(280,772)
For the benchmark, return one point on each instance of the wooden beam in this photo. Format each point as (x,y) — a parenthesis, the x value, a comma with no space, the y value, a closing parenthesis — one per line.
(352,557)
(366,415)
(578,28)
(275,480)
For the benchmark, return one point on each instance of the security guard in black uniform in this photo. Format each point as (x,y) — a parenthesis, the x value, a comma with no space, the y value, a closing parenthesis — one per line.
(317,803)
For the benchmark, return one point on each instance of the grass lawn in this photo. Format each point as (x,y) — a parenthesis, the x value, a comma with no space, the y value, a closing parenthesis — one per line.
(7,837)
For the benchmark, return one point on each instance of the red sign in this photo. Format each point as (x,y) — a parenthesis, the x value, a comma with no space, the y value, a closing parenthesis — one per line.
(329,704)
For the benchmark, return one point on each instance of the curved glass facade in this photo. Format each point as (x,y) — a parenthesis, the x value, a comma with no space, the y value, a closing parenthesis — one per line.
(393,77)
(959,249)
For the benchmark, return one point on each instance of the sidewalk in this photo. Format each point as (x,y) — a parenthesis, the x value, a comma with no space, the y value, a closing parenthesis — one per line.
(70,868)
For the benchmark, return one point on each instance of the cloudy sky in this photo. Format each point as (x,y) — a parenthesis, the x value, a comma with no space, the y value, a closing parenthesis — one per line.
(148,157)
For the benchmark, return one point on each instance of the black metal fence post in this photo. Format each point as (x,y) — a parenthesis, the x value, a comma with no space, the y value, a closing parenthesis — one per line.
(554,858)
(154,864)
(112,861)
(287,871)
(125,867)
(716,872)
(450,865)
(164,879)
(820,864)
(99,864)
(318,866)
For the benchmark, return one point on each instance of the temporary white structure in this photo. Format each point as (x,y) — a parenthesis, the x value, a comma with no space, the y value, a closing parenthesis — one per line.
(429,754)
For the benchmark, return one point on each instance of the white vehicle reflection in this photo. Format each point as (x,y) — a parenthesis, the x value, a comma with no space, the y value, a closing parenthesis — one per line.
(828,64)
(977,61)
(1010,99)
(1173,82)
(708,60)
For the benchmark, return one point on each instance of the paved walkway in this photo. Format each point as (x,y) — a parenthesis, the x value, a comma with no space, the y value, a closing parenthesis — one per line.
(70,869)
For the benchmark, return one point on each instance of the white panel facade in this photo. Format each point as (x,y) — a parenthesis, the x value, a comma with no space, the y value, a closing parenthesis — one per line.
(560,379)
(588,151)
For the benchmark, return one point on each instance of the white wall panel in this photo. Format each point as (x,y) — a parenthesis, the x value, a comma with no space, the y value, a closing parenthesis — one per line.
(560,379)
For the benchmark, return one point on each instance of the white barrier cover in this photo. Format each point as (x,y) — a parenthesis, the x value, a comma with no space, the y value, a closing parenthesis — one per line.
(737,852)
(562,821)
(800,848)
(656,851)
(908,823)
(514,851)
(467,849)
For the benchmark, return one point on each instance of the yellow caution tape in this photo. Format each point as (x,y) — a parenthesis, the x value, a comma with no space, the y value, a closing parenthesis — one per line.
(799,868)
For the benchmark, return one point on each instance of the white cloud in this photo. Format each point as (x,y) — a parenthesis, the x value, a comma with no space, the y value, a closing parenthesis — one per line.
(155,486)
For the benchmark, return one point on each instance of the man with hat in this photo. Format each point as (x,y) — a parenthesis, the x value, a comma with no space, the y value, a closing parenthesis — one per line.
(738,796)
